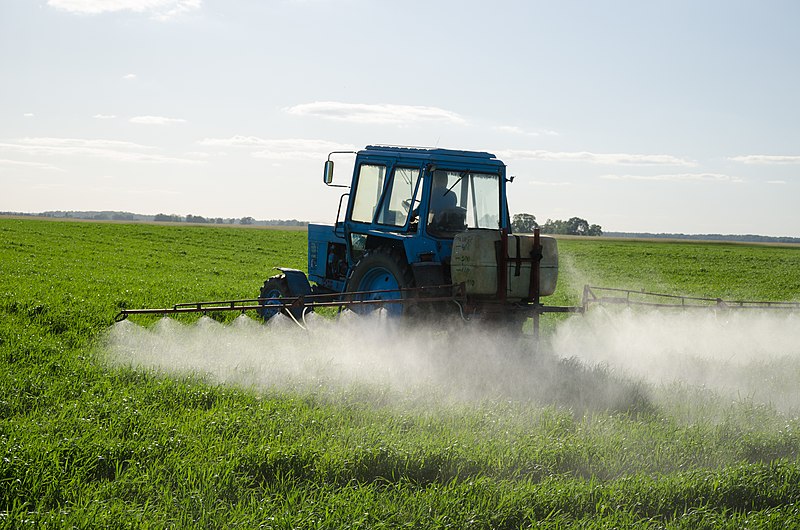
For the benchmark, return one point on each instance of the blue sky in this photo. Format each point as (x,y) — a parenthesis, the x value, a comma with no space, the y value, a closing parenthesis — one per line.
(677,116)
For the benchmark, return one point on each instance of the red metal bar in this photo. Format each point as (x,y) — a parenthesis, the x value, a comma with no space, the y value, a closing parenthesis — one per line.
(502,266)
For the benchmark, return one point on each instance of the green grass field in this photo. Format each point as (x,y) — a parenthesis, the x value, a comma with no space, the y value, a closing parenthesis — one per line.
(91,443)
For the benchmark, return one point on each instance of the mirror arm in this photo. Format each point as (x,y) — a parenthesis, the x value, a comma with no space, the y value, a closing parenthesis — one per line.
(327,176)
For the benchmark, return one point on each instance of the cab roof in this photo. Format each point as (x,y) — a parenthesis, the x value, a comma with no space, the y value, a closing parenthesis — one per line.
(431,154)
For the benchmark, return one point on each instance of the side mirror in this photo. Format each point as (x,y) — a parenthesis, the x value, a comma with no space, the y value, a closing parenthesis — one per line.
(328,176)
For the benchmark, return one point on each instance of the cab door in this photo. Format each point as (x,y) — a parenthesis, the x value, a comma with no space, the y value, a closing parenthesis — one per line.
(382,202)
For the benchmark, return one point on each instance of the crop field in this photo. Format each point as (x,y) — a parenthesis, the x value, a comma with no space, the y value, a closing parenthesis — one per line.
(620,419)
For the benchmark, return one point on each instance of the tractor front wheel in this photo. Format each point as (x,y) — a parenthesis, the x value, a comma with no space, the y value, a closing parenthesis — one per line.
(380,275)
(274,288)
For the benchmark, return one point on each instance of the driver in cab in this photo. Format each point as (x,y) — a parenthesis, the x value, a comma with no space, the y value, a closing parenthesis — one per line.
(442,199)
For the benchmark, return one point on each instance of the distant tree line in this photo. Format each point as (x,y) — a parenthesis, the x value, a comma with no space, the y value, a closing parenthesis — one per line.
(161,218)
(172,218)
(199,219)
(575,226)
(738,238)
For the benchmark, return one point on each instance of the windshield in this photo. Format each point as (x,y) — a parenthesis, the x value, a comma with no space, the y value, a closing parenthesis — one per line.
(460,200)
(398,194)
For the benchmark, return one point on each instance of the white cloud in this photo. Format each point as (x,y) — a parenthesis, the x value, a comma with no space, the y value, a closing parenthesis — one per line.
(776,182)
(595,158)
(158,9)
(4,162)
(678,177)
(29,115)
(155,120)
(111,149)
(513,129)
(374,113)
(234,141)
(281,149)
(129,77)
(767,159)
(104,116)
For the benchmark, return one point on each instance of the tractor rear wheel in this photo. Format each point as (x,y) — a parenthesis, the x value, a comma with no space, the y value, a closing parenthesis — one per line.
(274,288)
(380,275)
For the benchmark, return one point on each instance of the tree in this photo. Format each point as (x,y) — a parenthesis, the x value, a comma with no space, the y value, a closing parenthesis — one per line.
(554,227)
(524,223)
(577,226)
(196,219)
(164,218)
(247,220)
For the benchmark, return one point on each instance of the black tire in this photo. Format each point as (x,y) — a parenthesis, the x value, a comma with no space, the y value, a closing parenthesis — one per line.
(274,287)
(380,270)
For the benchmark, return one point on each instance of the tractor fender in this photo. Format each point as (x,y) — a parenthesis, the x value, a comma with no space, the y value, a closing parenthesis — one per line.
(297,281)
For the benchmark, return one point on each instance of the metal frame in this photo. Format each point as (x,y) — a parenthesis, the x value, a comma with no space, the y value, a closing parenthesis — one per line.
(629,297)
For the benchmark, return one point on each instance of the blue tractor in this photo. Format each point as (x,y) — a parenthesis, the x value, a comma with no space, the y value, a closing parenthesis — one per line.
(427,230)
(419,231)
(421,228)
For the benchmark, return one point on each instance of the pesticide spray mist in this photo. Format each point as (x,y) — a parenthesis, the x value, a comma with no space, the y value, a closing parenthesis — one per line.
(737,354)
(603,361)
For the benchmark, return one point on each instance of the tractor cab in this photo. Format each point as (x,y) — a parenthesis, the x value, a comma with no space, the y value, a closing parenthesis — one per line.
(408,203)
(424,193)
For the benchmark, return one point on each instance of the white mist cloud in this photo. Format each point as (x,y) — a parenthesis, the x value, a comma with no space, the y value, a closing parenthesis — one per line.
(129,77)
(375,113)
(767,159)
(745,353)
(281,149)
(158,9)
(104,116)
(678,177)
(333,356)
(29,115)
(155,120)
(595,158)
(752,356)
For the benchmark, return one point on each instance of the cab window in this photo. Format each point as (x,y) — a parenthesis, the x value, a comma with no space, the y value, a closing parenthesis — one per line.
(400,192)
(369,186)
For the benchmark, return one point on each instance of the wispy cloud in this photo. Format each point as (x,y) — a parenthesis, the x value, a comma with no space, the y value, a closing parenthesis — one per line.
(776,182)
(96,148)
(29,114)
(155,120)
(374,113)
(767,159)
(104,116)
(596,158)
(4,162)
(513,129)
(158,9)
(678,177)
(280,149)
(129,77)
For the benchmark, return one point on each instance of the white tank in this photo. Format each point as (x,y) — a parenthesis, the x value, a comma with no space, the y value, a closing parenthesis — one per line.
(474,262)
